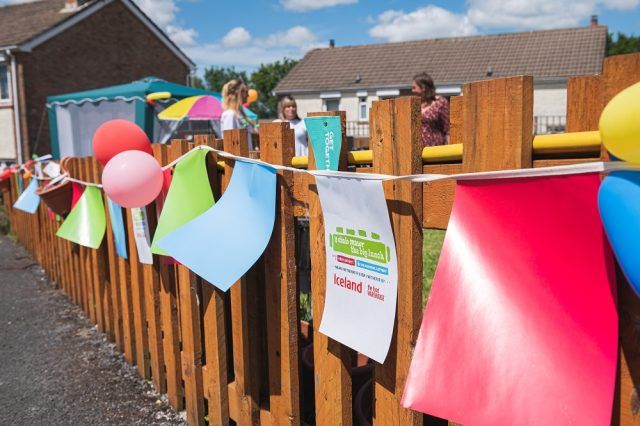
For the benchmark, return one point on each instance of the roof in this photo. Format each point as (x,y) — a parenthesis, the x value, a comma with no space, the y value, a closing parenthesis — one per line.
(135,90)
(21,22)
(546,55)
(27,25)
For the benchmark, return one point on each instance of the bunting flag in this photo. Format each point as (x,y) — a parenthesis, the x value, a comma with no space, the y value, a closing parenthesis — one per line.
(325,134)
(189,196)
(224,242)
(117,228)
(141,234)
(361,265)
(521,320)
(87,222)
(28,201)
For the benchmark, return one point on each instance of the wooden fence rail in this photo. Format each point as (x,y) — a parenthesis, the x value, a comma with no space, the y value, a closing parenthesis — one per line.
(238,355)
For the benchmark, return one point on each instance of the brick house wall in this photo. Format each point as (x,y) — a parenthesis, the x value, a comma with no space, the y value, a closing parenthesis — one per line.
(110,47)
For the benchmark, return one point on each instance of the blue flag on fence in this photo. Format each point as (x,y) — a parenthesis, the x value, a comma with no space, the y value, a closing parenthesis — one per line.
(325,134)
(28,200)
(117,227)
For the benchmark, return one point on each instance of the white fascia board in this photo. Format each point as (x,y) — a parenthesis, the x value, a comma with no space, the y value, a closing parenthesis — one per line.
(449,90)
(362,93)
(330,95)
(388,92)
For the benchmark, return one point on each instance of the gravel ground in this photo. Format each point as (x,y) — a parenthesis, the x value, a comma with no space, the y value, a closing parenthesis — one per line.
(55,368)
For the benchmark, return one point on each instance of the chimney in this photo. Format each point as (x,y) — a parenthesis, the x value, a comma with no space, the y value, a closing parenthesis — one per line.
(70,4)
(332,43)
(594,21)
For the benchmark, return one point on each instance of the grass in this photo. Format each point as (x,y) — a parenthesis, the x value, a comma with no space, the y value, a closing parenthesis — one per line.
(431,247)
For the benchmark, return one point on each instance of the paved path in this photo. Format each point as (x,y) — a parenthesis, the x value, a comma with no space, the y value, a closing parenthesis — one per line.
(55,368)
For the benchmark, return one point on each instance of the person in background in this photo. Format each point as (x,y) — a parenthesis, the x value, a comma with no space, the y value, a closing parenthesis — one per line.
(234,95)
(434,111)
(288,112)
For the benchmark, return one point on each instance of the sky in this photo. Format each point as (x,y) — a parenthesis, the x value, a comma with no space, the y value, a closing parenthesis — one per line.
(246,33)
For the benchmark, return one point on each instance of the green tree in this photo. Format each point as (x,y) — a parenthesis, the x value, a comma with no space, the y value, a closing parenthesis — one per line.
(196,82)
(622,44)
(264,80)
(216,77)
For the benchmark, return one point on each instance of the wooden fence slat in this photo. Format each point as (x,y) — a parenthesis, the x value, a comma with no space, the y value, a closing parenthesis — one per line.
(96,269)
(215,372)
(190,332)
(151,284)
(124,280)
(277,147)
(138,303)
(244,324)
(113,282)
(169,314)
(397,150)
(332,361)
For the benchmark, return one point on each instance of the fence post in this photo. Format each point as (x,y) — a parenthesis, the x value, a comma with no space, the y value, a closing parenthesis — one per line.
(619,72)
(395,141)
(244,304)
(497,124)
(277,147)
(332,361)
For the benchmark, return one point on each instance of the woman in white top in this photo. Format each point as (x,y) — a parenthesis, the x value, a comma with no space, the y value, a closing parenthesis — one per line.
(288,111)
(234,95)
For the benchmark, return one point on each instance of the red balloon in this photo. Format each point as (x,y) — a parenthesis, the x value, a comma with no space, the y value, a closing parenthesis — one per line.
(116,136)
(5,174)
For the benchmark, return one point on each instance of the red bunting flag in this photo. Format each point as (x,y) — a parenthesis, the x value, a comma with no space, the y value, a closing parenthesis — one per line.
(521,325)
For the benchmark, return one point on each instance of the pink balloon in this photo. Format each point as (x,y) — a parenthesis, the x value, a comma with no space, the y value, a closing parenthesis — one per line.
(132,179)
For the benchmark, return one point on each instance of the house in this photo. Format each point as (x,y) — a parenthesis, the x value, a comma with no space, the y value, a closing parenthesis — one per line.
(50,47)
(350,78)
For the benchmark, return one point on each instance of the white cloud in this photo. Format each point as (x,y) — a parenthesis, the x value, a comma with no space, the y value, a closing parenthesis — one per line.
(529,14)
(237,37)
(294,36)
(163,13)
(426,22)
(307,5)
(291,43)
(508,15)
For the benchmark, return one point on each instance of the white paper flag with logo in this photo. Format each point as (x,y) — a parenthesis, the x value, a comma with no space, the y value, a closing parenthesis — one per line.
(141,235)
(362,270)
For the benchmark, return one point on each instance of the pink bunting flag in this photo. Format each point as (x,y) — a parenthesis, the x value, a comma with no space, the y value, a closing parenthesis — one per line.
(521,325)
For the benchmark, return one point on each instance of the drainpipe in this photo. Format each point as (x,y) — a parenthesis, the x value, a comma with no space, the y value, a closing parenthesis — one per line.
(16,110)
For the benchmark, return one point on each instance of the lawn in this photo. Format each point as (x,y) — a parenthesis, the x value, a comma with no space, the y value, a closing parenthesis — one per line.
(431,246)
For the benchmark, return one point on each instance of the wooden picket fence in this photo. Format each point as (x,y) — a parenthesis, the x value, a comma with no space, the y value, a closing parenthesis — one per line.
(237,355)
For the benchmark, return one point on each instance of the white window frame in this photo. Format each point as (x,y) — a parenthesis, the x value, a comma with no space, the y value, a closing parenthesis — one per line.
(324,103)
(362,102)
(8,101)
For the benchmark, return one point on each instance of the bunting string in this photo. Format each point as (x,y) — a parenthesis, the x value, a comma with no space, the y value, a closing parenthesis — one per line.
(573,169)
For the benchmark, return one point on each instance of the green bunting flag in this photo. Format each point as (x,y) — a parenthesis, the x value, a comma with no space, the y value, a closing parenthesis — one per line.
(86,223)
(189,196)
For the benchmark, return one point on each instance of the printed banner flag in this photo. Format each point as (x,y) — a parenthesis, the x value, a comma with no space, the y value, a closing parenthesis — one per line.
(325,134)
(189,196)
(224,242)
(87,222)
(521,320)
(28,201)
(142,235)
(117,228)
(362,270)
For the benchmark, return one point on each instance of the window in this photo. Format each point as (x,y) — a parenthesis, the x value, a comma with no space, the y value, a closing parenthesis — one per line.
(4,82)
(332,104)
(363,111)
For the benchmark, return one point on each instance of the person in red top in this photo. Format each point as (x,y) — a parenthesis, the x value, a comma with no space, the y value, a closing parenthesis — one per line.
(434,111)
